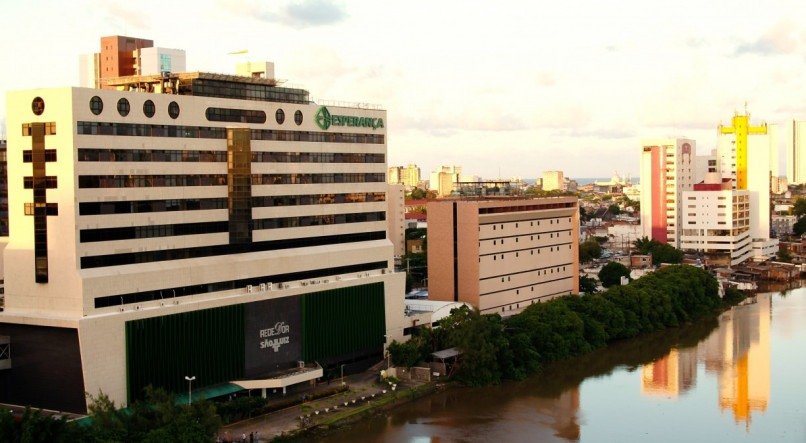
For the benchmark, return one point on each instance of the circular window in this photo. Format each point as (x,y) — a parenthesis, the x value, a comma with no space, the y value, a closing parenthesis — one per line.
(96,105)
(298,118)
(149,109)
(38,106)
(123,107)
(279,116)
(173,109)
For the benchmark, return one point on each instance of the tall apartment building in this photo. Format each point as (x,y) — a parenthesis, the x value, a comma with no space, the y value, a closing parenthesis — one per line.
(410,176)
(553,181)
(3,189)
(667,170)
(443,180)
(796,152)
(745,152)
(226,231)
(716,219)
(393,175)
(501,255)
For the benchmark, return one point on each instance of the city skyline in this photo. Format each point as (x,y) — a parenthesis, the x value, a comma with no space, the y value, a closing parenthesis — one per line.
(553,87)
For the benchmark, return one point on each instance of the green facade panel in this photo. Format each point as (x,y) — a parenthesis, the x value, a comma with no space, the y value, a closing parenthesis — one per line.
(207,344)
(342,322)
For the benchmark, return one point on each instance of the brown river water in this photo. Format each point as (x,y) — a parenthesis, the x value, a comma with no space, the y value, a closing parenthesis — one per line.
(739,377)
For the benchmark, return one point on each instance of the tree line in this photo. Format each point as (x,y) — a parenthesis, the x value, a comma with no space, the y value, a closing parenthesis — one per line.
(496,349)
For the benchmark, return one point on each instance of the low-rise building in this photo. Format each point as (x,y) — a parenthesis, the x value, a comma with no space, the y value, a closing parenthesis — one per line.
(716,219)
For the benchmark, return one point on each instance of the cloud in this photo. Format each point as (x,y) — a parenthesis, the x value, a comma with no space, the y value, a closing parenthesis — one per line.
(609,134)
(123,16)
(780,39)
(296,13)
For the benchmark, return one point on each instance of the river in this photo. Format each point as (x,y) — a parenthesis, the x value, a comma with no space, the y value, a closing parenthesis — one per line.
(739,377)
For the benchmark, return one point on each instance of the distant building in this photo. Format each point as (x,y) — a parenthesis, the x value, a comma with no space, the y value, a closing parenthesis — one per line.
(667,170)
(796,152)
(443,179)
(3,189)
(410,176)
(393,175)
(783,224)
(501,255)
(553,181)
(716,219)
(396,218)
(779,185)
(746,154)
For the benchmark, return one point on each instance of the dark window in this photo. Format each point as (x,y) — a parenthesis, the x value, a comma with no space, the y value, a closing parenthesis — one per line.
(149,109)
(173,110)
(38,106)
(235,115)
(96,105)
(123,107)
(98,261)
(298,118)
(279,116)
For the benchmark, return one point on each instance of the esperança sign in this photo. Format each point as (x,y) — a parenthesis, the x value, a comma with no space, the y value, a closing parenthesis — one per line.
(324,119)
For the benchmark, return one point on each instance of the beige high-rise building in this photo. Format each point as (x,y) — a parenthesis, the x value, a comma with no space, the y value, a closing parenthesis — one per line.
(795,142)
(553,181)
(501,255)
(443,180)
(393,175)
(410,176)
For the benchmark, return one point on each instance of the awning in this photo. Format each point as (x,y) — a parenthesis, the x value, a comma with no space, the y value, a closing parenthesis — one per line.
(207,392)
(446,353)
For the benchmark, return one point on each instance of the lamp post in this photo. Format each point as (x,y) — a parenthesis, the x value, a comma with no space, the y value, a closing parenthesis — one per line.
(190,382)
(342,375)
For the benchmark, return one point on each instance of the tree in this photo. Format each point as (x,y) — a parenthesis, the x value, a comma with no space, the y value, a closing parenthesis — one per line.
(587,284)
(784,255)
(799,228)
(614,209)
(417,194)
(799,207)
(611,274)
(663,253)
(589,249)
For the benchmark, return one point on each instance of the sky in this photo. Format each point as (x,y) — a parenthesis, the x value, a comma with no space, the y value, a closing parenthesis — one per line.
(503,89)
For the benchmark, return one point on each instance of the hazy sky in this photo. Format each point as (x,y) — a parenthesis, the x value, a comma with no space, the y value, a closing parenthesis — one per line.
(515,87)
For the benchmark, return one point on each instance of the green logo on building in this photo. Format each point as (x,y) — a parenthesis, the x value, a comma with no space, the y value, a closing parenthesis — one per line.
(325,120)
(322,118)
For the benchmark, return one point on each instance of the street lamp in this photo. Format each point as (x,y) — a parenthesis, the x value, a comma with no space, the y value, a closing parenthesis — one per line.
(190,382)
(342,375)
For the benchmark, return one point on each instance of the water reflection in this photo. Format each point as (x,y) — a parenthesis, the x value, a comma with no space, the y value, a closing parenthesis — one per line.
(737,353)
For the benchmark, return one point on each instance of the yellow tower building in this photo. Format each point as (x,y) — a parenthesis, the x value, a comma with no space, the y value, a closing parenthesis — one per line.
(741,128)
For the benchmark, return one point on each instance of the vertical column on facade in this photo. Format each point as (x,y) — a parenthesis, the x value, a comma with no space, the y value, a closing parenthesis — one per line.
(239,183)
(39,185)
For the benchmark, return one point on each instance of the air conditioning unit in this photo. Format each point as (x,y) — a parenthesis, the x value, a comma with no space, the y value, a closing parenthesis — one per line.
(300,364)
(268,286)
(263,286)
(338,277)
(304,283)
(383,271)
(137,307)
(250,288)
(327,281)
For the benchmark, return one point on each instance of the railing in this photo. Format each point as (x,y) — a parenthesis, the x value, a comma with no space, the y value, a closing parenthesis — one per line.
(344,104)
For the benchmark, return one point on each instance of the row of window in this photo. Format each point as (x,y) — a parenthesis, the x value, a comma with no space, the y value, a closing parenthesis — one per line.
(50,129)
(319,220)
(183,291)
(49,154)
(153,231)
(248,116)
(127,258)
(298,179)
(248,91)
(535,222)
(146,130)
(194,204)
(193,156)
(153,181)
(518,253)
(531,237)
(124,107)
(50,182)
(524,208)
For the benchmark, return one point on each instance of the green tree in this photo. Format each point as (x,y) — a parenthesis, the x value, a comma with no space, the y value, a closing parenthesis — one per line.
(784,255)
(589,249)
(34,426)
(664,253)
(799,207)
(587,284)
(614,209)
(611,274)
(799,228)
(417,194)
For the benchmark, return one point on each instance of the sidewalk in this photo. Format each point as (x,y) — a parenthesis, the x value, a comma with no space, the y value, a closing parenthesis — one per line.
(362,389)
